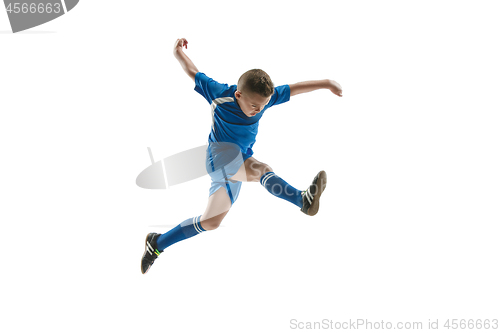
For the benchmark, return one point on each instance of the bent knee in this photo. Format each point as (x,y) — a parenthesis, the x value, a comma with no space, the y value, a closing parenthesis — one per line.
(266,168)
(260,170)
(212,225)
(213,222)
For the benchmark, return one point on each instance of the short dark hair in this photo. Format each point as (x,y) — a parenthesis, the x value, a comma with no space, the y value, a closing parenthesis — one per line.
(256,81)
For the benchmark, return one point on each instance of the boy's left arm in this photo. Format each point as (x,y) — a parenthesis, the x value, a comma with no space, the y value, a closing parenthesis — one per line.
(307,86)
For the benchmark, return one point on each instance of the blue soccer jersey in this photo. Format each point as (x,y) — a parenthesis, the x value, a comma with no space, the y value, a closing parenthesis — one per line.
(229,123)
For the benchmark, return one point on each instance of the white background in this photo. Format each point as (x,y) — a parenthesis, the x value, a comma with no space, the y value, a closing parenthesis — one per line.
(408,228)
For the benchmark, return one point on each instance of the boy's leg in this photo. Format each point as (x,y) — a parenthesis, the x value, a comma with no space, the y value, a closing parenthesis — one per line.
(217,208)
(308,201)
(253,171)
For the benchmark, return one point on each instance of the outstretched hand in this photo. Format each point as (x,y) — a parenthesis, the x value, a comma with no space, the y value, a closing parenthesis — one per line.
(335,88)
(184,61)
(180,43)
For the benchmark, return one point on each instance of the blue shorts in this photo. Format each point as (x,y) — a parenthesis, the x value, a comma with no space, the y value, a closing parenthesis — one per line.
(223,161)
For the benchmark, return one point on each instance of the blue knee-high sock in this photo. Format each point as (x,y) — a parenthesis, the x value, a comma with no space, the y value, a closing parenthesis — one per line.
(280,188)
(189,228)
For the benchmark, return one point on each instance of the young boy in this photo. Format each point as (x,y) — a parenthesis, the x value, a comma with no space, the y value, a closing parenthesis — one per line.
(236,111)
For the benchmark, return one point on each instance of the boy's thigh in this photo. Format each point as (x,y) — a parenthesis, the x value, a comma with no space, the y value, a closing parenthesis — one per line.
(221,199)
(251,171)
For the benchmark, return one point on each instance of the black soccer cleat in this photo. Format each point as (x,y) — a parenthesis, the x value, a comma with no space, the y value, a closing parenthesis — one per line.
(310,197)
(151,252)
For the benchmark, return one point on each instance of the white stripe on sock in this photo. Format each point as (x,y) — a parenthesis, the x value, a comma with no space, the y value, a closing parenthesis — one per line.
(266,178)
(196,227)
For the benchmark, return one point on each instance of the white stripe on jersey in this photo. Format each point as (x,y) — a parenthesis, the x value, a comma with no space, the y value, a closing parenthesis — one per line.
(219,101)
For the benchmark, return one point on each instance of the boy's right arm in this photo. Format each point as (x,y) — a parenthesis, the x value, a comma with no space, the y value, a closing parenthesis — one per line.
(186,63)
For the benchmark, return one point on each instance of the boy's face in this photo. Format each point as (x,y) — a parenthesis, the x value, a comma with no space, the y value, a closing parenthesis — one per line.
(251,103)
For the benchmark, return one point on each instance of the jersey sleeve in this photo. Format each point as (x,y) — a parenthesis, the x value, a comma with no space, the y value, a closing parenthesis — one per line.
(281,95)
(208,88)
